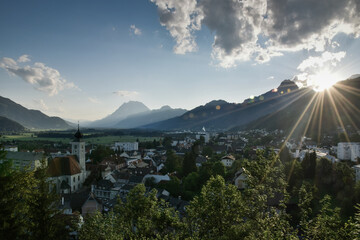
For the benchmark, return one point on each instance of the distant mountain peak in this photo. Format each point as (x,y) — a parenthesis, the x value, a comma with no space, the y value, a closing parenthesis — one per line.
(125,110)
(216,102)
(288,84)
(354,76)
(133,102)
(165,107)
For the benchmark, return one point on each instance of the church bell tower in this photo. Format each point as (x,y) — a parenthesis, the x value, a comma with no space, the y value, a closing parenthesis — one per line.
(78,148)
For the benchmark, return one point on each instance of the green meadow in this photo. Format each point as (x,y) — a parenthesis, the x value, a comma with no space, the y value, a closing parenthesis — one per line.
(103,140)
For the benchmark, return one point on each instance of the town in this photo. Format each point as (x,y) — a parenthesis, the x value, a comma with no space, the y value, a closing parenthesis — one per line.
(93,178)
(185,120)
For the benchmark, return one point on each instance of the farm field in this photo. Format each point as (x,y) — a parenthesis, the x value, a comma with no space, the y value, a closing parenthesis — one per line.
(103,140)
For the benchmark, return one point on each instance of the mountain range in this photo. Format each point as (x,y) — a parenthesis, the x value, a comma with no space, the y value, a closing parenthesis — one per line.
(149,117)
(221,115)
(288,108)
(124,111)
(279,108)
(315,113)
(135,114)
(31,119)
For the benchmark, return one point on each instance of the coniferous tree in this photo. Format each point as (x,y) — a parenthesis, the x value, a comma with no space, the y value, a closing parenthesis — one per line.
(48,222)
(29,209)
(173,162)
(309,165)
(189,164)
(15,197)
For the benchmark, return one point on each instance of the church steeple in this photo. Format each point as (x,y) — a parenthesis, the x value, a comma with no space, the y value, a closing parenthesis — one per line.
(78,148)
(78,135)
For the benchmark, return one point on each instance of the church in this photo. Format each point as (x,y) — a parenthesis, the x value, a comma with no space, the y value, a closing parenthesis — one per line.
(68,173)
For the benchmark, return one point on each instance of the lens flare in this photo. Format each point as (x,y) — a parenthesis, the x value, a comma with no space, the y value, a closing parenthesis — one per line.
(323,80)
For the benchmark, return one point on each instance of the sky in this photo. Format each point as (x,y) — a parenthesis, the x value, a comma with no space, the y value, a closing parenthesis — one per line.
(80,60)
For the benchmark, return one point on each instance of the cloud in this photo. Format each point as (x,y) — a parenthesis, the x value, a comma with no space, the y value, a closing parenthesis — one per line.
(124,93)
(180,18)
(258,30)
(135,30)
(327,58)
(40,76)
(40,104)
(23,58)
(271,78)
(7,62)
(94,100)
(313,69)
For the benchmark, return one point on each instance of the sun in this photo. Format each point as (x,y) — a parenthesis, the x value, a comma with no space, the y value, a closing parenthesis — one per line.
(323,80)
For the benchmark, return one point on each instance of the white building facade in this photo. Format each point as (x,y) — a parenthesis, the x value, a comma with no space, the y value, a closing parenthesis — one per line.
(357,172)
(348,151)
(127,146)
(68,173)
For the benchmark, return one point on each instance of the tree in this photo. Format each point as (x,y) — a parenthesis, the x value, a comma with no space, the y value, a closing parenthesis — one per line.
(202,140)
(144,216)
(29,210)
(15,196)
(101,227)
(173,162)
(167,142)
(219,169)
(207,151)
(189,163)
(213,213)
(191,182)
(150,182)
(173,186)
(44,213)
(327,224)
(265,197)
(323,175)
(100,152)
(285,155)
(294,174)
(309,165)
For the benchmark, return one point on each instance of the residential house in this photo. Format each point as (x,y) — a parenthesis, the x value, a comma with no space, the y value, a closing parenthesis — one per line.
(157,178)
(26,160)
(91,205)
(240,179)
(104,189)
(228,160)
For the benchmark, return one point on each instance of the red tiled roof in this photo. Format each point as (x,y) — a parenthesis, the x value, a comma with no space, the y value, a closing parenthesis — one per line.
(64,166)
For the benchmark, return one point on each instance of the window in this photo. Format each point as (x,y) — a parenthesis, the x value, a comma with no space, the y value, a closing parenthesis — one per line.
(79,178)
(73,179)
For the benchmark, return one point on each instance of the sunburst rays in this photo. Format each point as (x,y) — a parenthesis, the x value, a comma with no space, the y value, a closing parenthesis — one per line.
(332,106)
